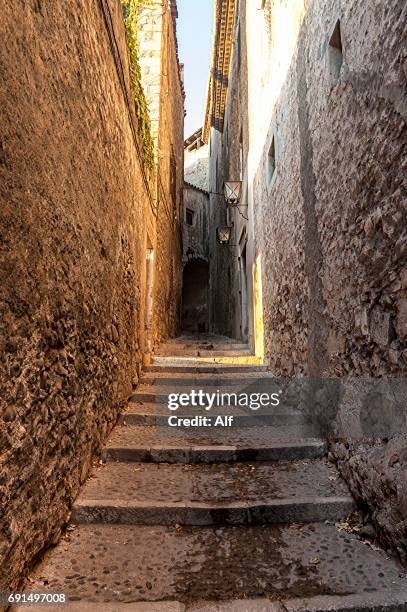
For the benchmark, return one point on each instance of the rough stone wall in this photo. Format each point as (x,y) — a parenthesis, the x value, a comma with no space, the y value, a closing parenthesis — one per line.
(331,223)
(337,200)
(333,229)
(168,274)
(220,280)
(150,39)
(73,214)
(230,147)
(197,167)
(195,237)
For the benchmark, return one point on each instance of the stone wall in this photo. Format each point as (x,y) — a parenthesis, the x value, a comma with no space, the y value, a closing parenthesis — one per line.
(327,182)
(75,206)
(195,240)
(195,235)
(168,274)
(196,166)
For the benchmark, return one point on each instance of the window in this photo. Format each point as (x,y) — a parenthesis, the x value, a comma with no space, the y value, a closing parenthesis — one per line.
(189,216)
(271,161)
(335,54)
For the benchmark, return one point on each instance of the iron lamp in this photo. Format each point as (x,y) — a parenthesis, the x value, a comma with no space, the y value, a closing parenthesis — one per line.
(224,233)
(231,192)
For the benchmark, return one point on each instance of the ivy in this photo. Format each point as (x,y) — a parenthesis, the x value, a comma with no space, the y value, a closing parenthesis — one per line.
(130,15)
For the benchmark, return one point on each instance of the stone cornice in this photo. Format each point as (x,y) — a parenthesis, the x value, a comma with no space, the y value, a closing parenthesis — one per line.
(219,75)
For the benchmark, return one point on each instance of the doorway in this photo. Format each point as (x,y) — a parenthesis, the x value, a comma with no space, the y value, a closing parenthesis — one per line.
(244,323)
(195,312)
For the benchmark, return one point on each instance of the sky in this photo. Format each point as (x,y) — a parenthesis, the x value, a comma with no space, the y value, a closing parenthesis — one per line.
(194,30)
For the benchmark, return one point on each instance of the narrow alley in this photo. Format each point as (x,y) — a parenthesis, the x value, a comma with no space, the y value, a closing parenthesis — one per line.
(248,514)
(203,306)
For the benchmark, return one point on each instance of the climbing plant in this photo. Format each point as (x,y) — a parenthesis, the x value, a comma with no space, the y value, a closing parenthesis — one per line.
(130,14)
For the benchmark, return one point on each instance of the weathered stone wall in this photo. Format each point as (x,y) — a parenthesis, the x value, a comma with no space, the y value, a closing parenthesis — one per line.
(336,202)
(75,203)
(330,223)
(168,276)
(220,280)
(195,240)
(195,237)
(196,167)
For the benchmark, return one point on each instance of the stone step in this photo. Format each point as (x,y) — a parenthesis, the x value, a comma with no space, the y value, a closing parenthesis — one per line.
(388,600)
(165,444)
(165,494)
(262,512)
(159,395)
(202,378)
(158,414)
(201,352)
(200,360)
(169,347)
(311,567)
(201,339)
(165,368)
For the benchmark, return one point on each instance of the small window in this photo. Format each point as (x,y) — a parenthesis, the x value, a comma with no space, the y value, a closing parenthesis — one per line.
(335,52)
(189,216)
(271,161)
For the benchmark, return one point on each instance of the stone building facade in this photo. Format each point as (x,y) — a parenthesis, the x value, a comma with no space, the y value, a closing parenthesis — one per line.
(196,165)
(316,132)
(87,235)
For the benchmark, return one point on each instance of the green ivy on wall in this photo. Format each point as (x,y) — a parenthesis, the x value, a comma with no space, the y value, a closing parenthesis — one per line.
(130,15)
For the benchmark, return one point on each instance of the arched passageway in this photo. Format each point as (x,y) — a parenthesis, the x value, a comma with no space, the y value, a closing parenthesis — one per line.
(195,312)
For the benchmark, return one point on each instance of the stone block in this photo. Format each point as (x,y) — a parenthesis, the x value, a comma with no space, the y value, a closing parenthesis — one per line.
(401,319)
(380,326)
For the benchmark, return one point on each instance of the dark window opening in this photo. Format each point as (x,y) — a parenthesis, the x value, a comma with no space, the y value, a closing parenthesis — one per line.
(189,216)
(271,160)
(335,52)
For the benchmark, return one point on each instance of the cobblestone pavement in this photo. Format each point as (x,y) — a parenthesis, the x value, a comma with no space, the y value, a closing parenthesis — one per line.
(242,519)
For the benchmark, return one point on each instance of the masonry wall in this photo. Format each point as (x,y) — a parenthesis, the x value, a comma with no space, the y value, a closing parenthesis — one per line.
(75,201)
(168,273)
(330,223)
(195,237)
(196,167)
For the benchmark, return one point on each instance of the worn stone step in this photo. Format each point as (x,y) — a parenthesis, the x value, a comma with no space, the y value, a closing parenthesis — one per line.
(195,360)
(288,564)
(201,339)
(158,415)
(388,600)
(165,444)
(167,348)
(164,368)
(261,512)
(203,352)
(166,494)
(160,394)
(202,378)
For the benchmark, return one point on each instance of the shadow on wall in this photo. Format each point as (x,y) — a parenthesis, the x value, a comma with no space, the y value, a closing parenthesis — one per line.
(195,316)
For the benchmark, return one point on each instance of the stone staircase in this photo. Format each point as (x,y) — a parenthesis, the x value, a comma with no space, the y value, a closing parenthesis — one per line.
(247,517)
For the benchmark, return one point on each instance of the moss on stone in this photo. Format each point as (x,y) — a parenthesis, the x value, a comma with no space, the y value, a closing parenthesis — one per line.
(131,10)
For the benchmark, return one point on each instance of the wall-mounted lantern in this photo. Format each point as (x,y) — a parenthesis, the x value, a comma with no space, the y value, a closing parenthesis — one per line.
(224,233)
(231,192)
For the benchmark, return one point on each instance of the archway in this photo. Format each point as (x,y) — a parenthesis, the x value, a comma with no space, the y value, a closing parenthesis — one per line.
(195,313)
